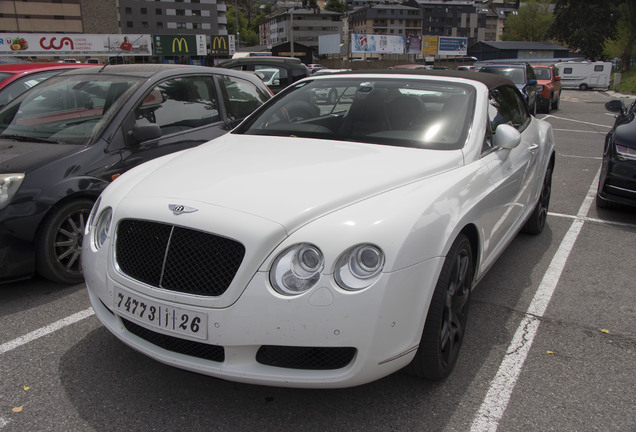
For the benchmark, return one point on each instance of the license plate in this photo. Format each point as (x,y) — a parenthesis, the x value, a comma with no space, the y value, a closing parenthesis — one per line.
(161,316)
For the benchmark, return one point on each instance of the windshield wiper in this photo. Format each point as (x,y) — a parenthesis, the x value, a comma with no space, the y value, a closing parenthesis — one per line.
(26,138)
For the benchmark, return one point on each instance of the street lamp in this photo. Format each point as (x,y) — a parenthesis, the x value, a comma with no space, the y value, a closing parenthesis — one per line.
(236,29)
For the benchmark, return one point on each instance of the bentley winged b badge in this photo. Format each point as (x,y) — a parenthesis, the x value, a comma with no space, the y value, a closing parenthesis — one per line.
(178,209)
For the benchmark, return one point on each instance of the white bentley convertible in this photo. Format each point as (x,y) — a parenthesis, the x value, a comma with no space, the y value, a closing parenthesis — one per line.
(323,244)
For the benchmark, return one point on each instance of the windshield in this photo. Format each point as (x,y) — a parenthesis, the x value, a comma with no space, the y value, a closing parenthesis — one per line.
(69,109)
(542,73)
(393,111)
(516,74)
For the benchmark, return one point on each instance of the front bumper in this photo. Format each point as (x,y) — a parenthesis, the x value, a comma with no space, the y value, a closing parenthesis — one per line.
(618,181)
(18,228)
(356,337)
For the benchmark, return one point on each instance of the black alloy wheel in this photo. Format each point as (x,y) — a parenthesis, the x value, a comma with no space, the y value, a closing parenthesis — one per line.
(59,249)
(447,315)
(539,216)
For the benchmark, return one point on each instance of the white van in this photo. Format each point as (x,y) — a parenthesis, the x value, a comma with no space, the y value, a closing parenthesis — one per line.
(585,74)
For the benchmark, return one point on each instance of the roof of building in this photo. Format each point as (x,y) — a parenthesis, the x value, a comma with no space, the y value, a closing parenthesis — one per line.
(515,45)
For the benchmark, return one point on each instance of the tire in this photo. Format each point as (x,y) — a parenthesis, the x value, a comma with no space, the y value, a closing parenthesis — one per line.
(555,104)
(548,106)
(583,87)
(59,246)
(446,318)
(333,96)
(537,220)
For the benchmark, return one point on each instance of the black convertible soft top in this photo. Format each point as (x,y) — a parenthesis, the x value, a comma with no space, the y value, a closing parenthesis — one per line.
(488,79)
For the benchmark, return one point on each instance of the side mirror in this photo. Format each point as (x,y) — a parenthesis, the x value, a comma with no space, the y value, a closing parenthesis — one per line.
(507,137)
(557,78)
(276,82)
(532,82)
(146,132)
(615,106)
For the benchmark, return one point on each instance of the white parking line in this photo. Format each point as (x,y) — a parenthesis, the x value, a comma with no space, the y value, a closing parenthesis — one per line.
(496,401)
(36,334)
(575,121)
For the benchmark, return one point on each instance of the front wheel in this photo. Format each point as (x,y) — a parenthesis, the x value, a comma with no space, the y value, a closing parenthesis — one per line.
(59,248)
(447,314)
(583,86)
(333,96)
(555,103)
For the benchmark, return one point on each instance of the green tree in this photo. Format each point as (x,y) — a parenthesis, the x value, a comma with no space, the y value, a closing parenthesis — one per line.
(247,35)
(623,44)
(584,25)
(336,6)
(532,22)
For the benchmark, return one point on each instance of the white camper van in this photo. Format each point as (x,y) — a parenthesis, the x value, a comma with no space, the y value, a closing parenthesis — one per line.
(585,74)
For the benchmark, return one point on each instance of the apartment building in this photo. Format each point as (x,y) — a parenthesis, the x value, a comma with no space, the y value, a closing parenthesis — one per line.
(303,25)
(58,16)
(389,19)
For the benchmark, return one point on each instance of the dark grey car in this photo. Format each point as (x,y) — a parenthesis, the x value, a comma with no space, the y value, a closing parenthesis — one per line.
(524,78)
(66,139)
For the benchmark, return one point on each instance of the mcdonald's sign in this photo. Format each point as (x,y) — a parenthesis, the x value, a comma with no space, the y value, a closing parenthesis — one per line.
(219,45)
(180,44)
(169,45)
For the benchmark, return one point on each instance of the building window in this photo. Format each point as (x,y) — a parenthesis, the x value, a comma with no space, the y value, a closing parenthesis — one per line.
(144,24)
(196,25)
(144,11)
(196,12)
(129,24)
(159,25)
(128,10)
(158,11)
(180,12)
(181,25)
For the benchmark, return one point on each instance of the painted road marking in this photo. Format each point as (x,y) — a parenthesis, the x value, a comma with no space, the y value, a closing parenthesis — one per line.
(496,401)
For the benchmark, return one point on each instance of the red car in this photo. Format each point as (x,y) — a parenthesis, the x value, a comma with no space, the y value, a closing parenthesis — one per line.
(548,87)
(17,78)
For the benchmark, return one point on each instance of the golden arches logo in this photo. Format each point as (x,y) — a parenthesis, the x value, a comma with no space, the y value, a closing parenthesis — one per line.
(178,42)
(221,41)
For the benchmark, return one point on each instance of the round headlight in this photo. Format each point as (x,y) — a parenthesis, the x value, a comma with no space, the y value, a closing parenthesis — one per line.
(102,227)
(297,269)
(359,267)
(91,216)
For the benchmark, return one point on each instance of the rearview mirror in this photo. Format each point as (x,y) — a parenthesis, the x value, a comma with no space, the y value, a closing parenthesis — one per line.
(507,137)
(615,106)
(146,132)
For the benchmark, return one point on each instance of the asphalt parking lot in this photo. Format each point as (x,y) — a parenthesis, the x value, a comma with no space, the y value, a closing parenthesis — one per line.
(550,345)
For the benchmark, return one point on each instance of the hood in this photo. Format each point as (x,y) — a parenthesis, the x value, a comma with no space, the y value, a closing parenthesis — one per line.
(288,180)
(23,156)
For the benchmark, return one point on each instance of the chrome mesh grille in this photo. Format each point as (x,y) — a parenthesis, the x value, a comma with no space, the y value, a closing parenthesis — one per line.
(176,258)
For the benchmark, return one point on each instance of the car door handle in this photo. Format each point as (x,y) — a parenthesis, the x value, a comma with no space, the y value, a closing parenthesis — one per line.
(533,147)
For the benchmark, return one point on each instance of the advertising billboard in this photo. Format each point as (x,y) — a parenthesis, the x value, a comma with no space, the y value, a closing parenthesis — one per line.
(171,45)
(55,44)
(377,43)
(429,45)
(413,44)
(453,46)
(220,45)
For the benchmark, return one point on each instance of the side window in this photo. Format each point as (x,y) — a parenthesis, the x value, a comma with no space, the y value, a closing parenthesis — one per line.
(506,107)
(21,85)
(241,97)
(567,71)
(279,80)
(180,104)
(598,68)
